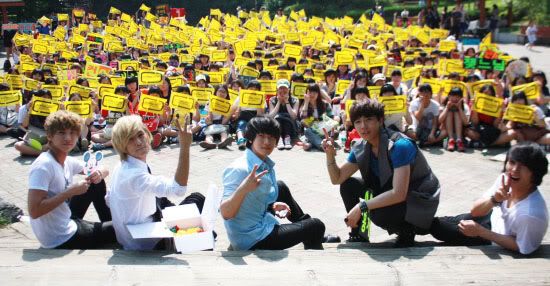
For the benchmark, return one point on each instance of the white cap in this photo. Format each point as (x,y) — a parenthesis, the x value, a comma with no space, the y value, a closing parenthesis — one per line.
(200,77)
(378,77)
(283,82)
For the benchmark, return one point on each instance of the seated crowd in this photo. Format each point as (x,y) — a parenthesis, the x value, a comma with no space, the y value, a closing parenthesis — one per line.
(262,98)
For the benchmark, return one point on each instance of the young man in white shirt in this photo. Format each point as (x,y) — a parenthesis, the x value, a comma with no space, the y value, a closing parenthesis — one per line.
(51,191)
(424,112)
(512,214)
(135,195)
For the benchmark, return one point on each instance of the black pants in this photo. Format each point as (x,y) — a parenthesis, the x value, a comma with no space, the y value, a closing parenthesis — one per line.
(96,195)
(193,198)
(303,229)
(91,235)
(288,126)
(390,218)
(446,229)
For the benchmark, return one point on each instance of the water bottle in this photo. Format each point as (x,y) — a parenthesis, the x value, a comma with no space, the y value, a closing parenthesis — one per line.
(342,137)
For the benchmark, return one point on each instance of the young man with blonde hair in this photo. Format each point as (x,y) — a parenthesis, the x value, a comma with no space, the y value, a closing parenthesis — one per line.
(52,197)
(135,195)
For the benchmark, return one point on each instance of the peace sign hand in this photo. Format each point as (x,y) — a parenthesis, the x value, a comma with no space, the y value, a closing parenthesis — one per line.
(503,191)
(328,145)
(184,133)
(253,180)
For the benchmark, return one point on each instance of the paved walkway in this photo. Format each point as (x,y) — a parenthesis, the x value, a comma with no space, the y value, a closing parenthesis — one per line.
(463,176)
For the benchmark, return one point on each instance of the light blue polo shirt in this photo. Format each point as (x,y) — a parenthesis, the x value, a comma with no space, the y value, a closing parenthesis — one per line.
(253,222)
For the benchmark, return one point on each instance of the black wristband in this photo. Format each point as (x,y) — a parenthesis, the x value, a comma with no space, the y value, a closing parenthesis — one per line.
(494,201)
(363,206)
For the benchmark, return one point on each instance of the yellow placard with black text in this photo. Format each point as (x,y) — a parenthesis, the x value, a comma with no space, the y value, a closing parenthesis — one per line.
(10,98)
(520,113)
(43,107)
(114,102)
(152,104)
(220,105)
(394,104)
(488,105)
(82,108)
(252,99)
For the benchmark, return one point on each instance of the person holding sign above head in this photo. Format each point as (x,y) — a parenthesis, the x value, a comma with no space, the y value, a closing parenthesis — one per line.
(316,114)
(135,195)
(531,129)
(394,120)
(453,118)
(488,129)
(512,213)
(284,108)
(35,140)
(394,172)
(102,138)
(56,204)
(253,196)
(245,114)
(216,123)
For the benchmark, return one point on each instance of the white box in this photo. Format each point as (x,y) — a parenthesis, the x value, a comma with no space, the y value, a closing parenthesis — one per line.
(184,216)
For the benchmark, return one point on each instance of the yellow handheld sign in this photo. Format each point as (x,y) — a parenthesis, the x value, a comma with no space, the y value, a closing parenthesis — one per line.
(292,51)
(202,95)
(520,113)
(31,84)
(220,105)
(113,102)
(394,104)
(531,90)
(488,105)
(252,99)
(82,90)
(341,86)
(82,108)
(434,83)
(182,102)
(10,98)
(40,47)
(43,107)
(248,71)
(374,90)
(150,77)
(124,65)
(475,87)
(152,104)
(269,86)
(298,89)
(104,89)
(55,90)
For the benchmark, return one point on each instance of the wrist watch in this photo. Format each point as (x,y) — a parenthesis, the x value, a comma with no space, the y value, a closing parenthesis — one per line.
(363,206)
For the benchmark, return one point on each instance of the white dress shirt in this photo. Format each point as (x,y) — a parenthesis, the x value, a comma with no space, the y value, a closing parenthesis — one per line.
(132,199)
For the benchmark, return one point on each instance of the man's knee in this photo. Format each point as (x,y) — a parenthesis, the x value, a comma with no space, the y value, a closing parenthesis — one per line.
(350,186)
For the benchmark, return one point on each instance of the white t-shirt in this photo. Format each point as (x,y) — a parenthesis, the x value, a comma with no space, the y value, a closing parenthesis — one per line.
(527,220)
(55,227)
(394,119)
(433,109)
(132,199)
(22,114)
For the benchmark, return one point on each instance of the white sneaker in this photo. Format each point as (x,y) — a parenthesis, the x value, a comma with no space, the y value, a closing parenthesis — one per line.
(281,144)
(288,144)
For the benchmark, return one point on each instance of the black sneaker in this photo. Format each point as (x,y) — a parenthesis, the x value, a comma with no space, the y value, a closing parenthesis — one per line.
(356,238)
(329,238)
(404,240)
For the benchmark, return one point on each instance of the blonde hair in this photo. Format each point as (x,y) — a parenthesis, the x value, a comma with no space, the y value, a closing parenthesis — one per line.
(62,120)
(126,128)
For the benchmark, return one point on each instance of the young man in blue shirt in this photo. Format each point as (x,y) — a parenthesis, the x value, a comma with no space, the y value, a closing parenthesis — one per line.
(253,196)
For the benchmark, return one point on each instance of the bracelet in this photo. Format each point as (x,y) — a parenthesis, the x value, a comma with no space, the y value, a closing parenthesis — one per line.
(494,201)
(331,163)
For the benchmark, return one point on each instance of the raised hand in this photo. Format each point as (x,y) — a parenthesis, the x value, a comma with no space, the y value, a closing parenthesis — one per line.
(503,191)
(185,134)
(328,145)
(253,180)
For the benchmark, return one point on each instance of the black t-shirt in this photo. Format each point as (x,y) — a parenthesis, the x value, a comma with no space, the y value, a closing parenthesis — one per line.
(283,109)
